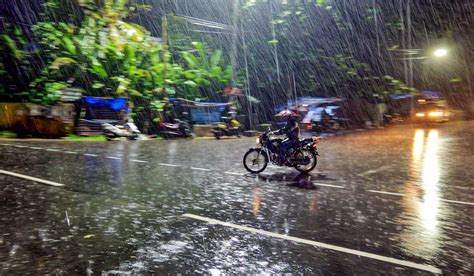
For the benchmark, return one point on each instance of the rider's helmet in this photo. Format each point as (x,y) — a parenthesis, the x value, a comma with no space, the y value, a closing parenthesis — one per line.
(292,116)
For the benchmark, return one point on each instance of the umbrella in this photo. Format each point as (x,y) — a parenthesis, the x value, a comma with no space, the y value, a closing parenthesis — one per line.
(286,113)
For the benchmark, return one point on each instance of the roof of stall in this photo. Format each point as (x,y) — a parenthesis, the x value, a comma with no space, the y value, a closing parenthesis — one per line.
(189,103)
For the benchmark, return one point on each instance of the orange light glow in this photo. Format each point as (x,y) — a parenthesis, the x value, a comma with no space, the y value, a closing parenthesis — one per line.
(435,114)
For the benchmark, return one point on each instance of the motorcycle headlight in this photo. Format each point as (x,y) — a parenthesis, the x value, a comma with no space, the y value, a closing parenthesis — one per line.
(258,140)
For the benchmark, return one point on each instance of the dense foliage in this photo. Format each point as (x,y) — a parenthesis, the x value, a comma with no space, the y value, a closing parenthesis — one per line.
(278,49)
(106,56)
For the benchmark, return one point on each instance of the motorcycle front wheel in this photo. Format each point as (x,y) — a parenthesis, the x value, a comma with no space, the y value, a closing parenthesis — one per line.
(255,160)
(313,160)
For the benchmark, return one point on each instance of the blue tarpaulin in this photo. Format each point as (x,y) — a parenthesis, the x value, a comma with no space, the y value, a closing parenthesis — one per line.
(114,104)
(400,96)
(202,115)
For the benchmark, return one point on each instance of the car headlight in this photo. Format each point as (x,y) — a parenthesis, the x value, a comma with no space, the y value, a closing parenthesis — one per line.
(420,114)
(435,114)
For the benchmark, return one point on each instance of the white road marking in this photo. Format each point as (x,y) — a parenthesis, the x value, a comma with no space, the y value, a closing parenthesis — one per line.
(382,168)
(20,146)
(42,181)
(70,152)
(385,193)
(67,219)
(55,150)
(168,165)
(139,161)
(5,144)
(36,148)
(328,185)
(441,199)
(90,154)
(200,169)
(428,268)
(458,202)
(113,157)
(234,173)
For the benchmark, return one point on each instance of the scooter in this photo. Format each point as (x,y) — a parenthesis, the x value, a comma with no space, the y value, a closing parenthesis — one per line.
(129,130)
(178,129)
(230,127)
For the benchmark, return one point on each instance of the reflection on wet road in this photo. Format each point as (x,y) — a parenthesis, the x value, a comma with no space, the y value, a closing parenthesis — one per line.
(403,193)
(422,235)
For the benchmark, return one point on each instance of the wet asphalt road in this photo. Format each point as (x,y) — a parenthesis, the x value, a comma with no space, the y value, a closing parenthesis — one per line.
(406,193)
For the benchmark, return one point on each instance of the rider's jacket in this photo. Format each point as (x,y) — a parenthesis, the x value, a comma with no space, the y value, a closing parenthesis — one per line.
(291,130)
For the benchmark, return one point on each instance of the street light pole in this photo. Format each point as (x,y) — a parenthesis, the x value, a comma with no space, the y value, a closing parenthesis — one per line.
(247,92)
(275,49)
(409,26)
(376,27)
(235,38)
(402,20)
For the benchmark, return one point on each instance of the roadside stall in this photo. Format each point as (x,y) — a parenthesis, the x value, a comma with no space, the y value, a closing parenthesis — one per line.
(203,114)
(95,111)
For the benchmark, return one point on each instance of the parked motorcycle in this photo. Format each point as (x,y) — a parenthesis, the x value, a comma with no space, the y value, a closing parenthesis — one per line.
(302,157)
(129,130)
(178,129)
(230,127)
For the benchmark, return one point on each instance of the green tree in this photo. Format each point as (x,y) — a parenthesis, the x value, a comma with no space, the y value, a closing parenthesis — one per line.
(107,56)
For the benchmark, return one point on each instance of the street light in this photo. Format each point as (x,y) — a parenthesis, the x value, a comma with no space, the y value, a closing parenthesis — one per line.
(440,52)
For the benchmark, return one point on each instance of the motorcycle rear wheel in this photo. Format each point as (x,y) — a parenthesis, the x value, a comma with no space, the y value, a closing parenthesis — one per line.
(313,161)
(252,158)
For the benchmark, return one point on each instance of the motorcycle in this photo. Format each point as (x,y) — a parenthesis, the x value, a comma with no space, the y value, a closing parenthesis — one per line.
(178,129)
(328,124)
(129,130)
(230,127)
(303,156)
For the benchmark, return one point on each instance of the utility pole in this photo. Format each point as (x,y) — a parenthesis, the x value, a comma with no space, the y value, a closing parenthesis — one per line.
(235,38)
(410,37)
(275,49)
(294,88)
(402,21)
(164,27)
(247,91)
(376,27)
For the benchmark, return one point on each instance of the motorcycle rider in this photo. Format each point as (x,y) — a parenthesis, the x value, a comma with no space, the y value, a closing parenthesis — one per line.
(325,117)
(292,133)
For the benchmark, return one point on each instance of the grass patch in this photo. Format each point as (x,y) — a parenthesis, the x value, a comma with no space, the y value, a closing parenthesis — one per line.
(77,138)
(7,134)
